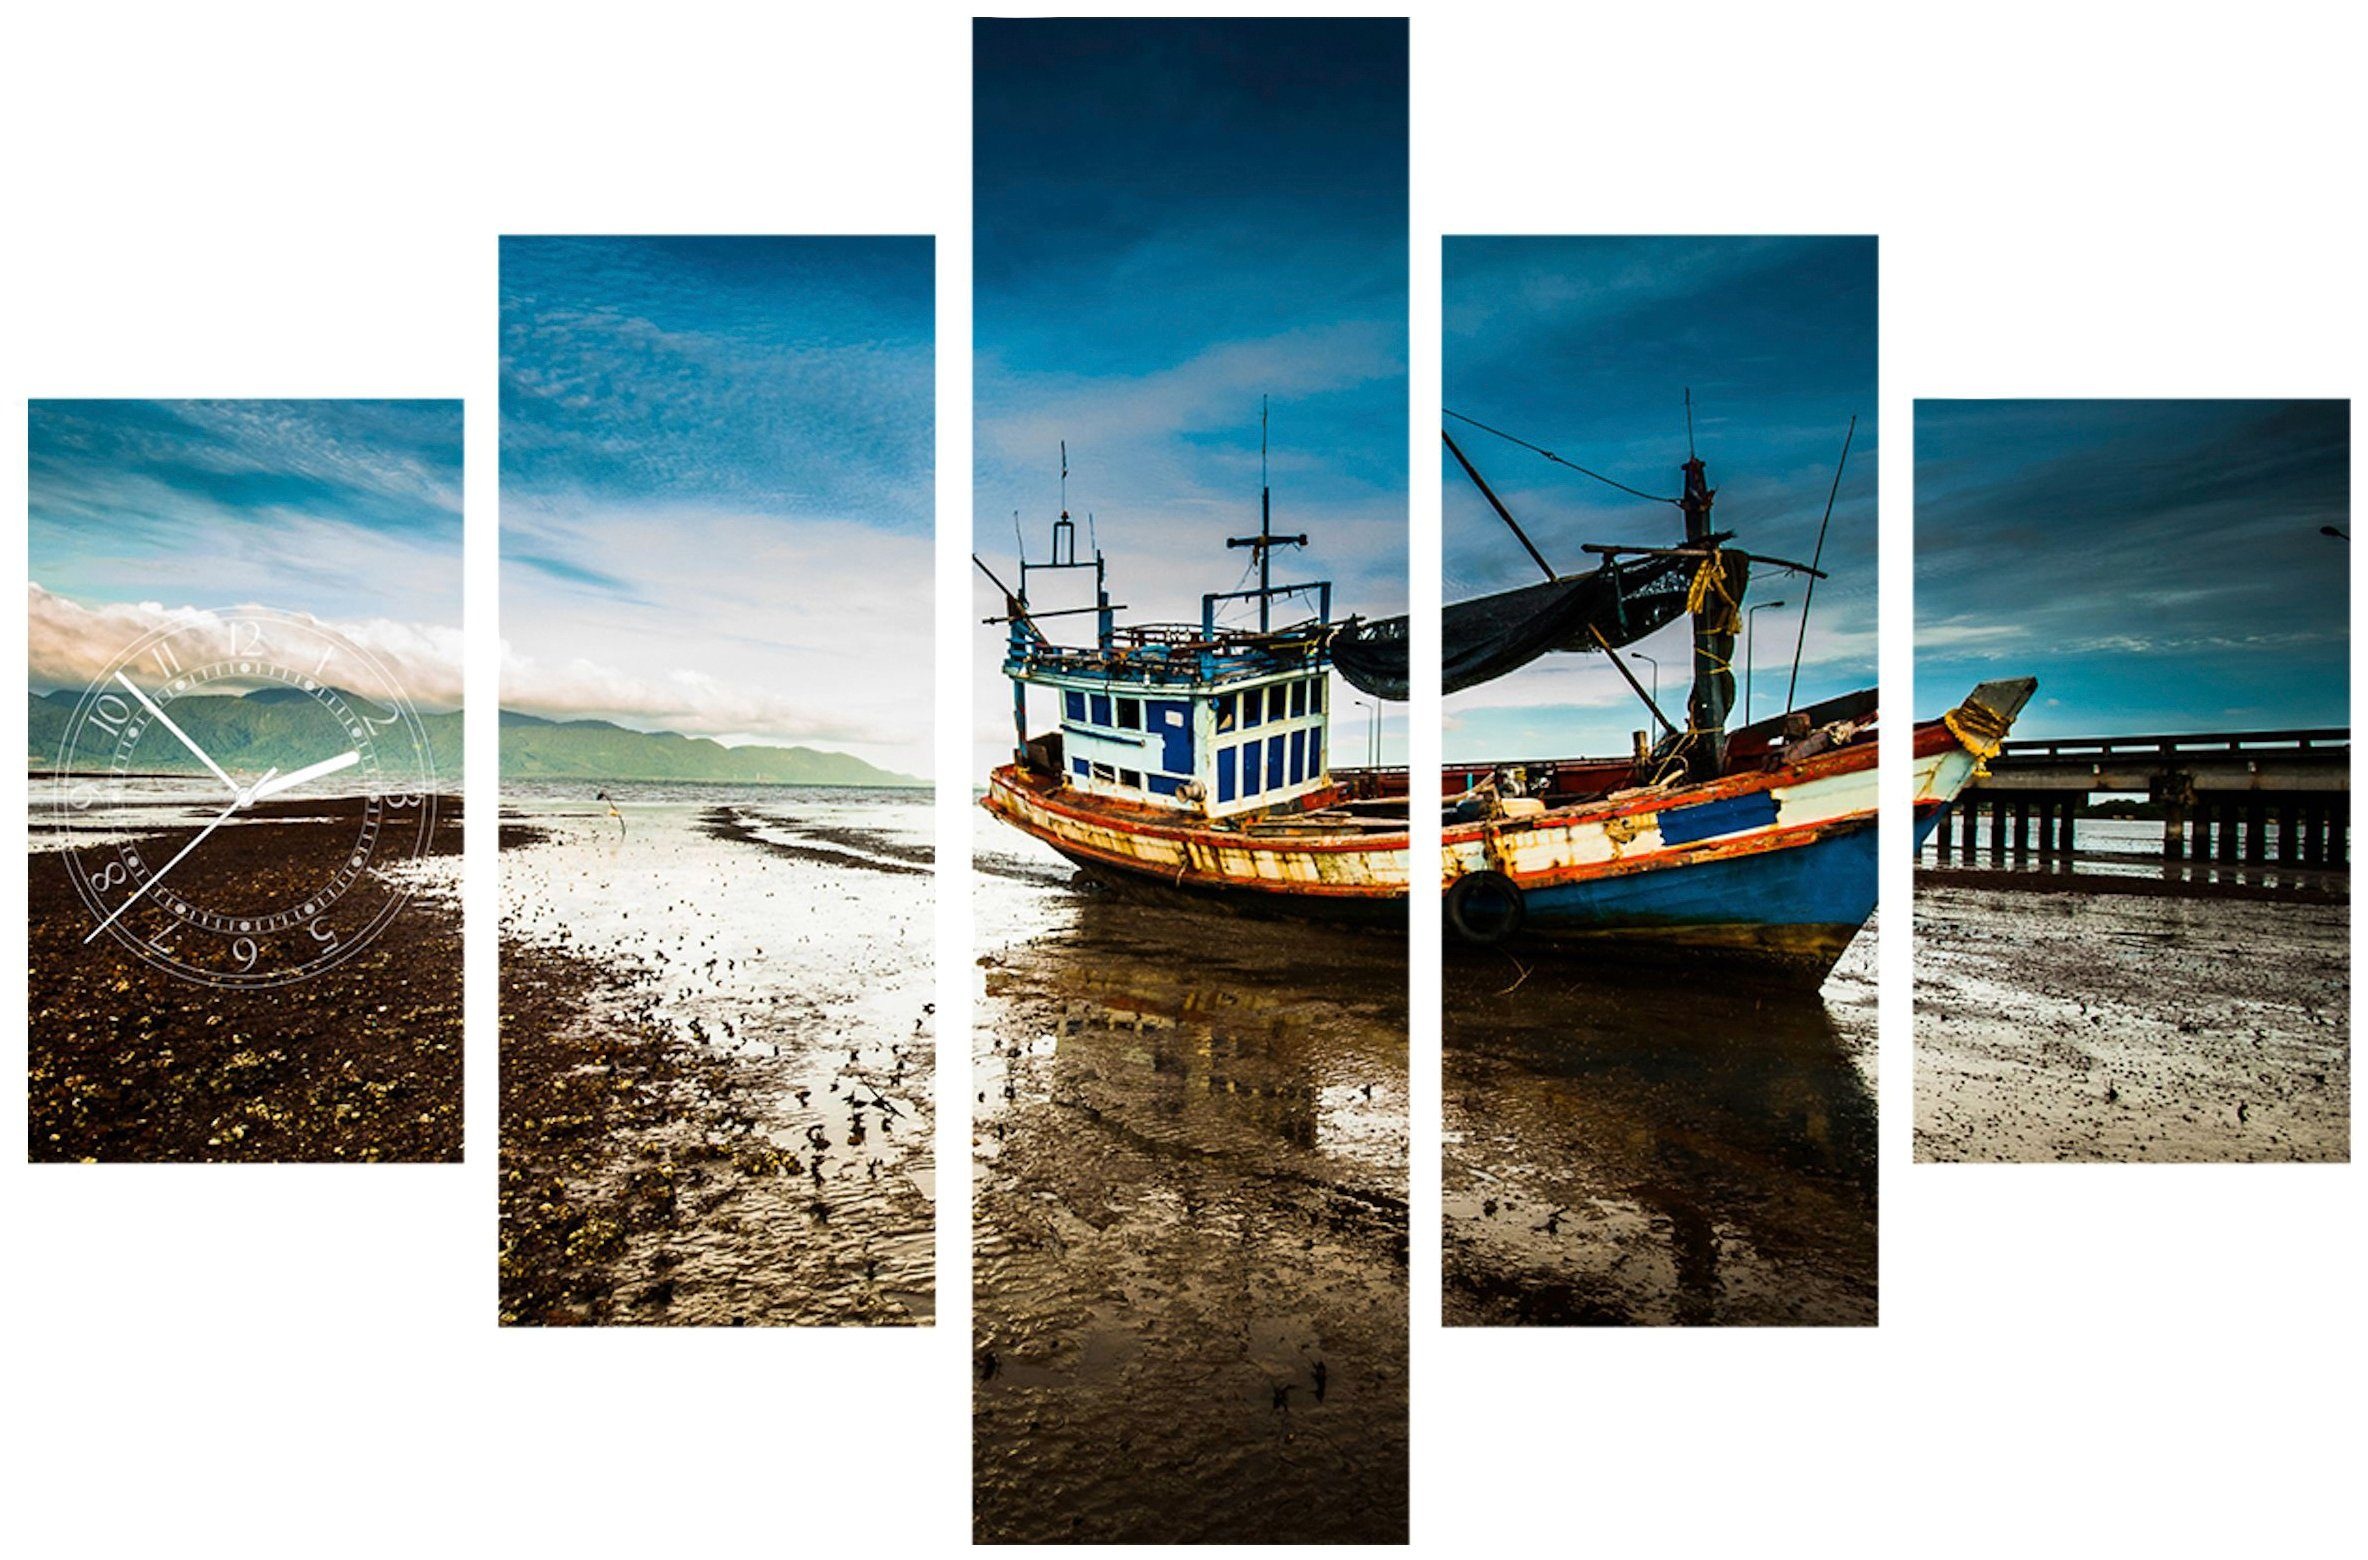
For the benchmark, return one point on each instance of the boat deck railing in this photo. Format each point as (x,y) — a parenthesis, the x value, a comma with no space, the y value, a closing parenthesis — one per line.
(1171,654)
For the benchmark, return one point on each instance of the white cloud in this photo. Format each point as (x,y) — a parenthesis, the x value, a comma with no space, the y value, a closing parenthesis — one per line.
(741,627)
(72,644)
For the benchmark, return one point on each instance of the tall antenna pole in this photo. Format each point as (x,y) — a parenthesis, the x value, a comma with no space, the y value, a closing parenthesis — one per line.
(1265,528)
(1262,545)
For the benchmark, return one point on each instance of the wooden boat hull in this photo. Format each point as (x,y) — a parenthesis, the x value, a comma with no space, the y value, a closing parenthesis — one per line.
(1317,875)
(1775,870)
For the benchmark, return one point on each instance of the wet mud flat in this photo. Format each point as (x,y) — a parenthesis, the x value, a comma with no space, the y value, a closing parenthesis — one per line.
(716,1074)
(1642,1150)
(2130,1028)
(1190,1228)
(361,1062)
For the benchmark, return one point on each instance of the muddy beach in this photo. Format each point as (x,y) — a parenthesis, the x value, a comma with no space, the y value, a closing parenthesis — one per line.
(2130,1028)
(717,1052)
(1636,1153)
(360,1062)
(1190,1229)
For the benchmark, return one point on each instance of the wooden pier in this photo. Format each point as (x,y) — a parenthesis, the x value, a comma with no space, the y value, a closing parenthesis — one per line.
(2248,796)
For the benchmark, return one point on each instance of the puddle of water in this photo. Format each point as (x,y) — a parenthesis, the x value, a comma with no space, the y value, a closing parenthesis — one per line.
(800,980)
(1190,1235)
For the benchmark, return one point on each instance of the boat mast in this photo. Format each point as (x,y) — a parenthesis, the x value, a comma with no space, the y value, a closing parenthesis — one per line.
(1716,606)
(1262,545)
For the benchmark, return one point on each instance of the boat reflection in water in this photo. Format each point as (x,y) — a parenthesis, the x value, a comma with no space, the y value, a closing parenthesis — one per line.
(1620,1153)
(1190,1225)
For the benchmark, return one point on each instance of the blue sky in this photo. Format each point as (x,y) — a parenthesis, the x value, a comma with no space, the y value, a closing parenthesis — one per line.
(1588,346)
(1173,219)
(717,487)
(2157,565)
(348,510)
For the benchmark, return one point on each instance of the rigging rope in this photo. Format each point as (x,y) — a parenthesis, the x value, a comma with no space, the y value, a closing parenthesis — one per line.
(1712,577)
(1559,461)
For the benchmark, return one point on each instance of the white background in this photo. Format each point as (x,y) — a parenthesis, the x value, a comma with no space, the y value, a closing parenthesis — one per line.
(304,200)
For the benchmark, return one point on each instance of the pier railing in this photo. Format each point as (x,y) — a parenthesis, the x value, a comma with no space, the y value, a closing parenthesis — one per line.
(2250,796)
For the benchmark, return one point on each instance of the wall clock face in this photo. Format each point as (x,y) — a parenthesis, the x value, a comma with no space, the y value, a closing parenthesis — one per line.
(313,788)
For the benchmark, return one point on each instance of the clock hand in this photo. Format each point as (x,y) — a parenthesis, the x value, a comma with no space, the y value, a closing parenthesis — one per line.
(157,876)
(166,721)
(327,766)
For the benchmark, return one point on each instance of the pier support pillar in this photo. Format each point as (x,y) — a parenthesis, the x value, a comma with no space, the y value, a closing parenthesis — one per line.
(2174,832)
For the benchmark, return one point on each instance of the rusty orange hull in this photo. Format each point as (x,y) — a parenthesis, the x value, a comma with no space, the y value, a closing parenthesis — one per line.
(1326,871)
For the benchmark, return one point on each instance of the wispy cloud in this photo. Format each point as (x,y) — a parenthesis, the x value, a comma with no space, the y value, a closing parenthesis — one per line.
(743,627)
(72,643)
(717,487)
(2154,563)
(350,509)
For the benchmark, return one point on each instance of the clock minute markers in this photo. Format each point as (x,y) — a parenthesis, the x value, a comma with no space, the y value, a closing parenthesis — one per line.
(272,784)
(167,722)
(153,878)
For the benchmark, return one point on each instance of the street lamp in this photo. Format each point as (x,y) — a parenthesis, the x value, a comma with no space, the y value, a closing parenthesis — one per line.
(1656,666)
(1372,731)
(1751,623)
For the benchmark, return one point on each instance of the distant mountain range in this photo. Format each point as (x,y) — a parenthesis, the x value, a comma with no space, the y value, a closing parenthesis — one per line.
(268,729)
(602,750)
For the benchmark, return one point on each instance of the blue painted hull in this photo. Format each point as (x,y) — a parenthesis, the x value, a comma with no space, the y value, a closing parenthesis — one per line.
(1792,911)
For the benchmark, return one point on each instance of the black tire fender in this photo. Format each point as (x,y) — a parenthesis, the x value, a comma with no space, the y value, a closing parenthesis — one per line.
(1484,930)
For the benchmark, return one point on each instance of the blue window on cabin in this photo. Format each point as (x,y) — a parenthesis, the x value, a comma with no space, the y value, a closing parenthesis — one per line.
(1072,705)
(1165,785)
(1130,715)
(1172,719)
(1225,712)
(1252,702)
(1101,709)
(1250,786)
(1080,768)
(1276,702)
(1298,699)
(1274,762)
(1224,775)
(1315,696)
(1298,756)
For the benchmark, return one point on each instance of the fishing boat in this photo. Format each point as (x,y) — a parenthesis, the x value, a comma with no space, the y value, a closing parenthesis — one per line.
(1754,846)
(1197,757)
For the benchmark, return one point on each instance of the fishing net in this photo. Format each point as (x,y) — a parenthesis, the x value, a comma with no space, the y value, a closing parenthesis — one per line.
(1491,635)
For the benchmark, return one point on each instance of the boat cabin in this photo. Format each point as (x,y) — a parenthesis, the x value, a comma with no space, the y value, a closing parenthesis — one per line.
(1240,743)
(1205,721)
